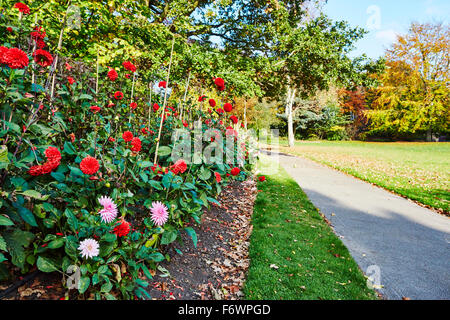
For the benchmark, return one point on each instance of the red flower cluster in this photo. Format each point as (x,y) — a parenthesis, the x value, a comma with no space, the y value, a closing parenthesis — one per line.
(234,119)
(118,95)
(13,57)
(179,167)
(95,109)
(112,74)
(220,84)
(129,66)
(38,36)
(212,102)
(89,165)
(155,107)
(37,33)
(71,80)
(220,111)
(262,178)
(43,58)
(218,177)
(228,107)
(235,171)
(53,161)
(122,229)
(133,105)
(137,145)
(201,98)
(127,136)
(162,84)
(22,7)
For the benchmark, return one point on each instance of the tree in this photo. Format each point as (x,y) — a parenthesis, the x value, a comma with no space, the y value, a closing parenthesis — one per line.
(414,97)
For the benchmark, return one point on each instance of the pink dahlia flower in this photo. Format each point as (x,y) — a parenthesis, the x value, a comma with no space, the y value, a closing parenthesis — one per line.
(109,211)
(159,212)
(89,248)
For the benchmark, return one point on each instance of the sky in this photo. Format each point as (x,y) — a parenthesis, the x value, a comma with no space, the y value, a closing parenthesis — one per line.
(385,18)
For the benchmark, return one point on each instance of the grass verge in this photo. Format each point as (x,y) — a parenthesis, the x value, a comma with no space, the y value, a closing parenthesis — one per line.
(294,254)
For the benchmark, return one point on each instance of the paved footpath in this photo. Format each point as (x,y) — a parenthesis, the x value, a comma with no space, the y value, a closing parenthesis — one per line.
(408,243)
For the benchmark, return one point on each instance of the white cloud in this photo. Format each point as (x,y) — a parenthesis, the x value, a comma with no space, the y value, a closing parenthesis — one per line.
(386,36)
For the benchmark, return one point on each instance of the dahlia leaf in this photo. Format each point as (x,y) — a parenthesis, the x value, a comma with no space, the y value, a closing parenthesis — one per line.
(58,176)
(35,195)
(57,243)
(146,271)
(156,185)
(2,244)
(4,221)
(27,216)
(164,151)
(46,265)
(83,284)
(69,148)
(191,232)
(169,237)
(15,243)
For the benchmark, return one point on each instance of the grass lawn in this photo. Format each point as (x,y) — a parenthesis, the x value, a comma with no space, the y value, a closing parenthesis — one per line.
(418,171)
(294,254)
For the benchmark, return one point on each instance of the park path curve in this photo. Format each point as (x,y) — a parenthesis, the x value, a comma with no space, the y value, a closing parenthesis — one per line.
(409,243)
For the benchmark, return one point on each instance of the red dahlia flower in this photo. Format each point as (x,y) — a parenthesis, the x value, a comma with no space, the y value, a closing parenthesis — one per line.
(35,171)
(235,171)
(218,177)
(133,105)
(15,58)
(122,229)
(129,66)
(127,136)
(43,58)
(22,7)
(220,83)
(52,154)
(262,178)
(40,44)
(137,145)
(71,80)
(228,107)
(3,51)
(155,107)
(179,167)
(9,29)
(89,165)
(95,109)
(112,75)
(234,119)
(37,33)
(118,95)
(162,84)
(212,102)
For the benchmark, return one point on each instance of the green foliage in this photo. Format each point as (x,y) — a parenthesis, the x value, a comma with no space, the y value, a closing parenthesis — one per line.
(46,214)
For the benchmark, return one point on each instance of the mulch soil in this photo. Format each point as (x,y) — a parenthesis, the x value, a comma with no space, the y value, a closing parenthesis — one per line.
(215,269)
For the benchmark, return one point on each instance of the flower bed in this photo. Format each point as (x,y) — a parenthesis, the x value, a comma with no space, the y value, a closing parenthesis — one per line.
(89,182)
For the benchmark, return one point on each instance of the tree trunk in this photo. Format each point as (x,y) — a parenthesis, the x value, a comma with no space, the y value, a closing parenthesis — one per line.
(289,103)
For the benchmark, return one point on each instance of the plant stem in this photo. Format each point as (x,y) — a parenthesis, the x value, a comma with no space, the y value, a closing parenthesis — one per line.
(165,100)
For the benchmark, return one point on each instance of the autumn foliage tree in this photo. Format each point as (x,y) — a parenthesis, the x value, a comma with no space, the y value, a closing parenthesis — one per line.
(414,97)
